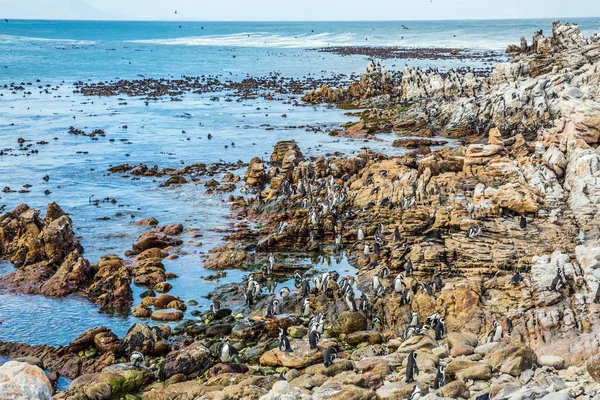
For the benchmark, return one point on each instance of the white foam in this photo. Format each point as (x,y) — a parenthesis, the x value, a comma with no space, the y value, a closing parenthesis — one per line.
(10,39)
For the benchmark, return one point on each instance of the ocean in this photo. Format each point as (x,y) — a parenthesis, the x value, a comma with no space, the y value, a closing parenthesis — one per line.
(175,133)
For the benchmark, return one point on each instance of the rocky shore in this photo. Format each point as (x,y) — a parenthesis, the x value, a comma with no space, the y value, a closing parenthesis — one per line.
(476,266)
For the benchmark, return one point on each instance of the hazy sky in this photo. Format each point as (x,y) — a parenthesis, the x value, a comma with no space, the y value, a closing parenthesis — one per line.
(279,10)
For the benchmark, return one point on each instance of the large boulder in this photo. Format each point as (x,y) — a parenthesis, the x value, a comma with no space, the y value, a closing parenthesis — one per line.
(256,176)
(148,340)
(593,367)
(21,381)
(511,359)
(302,356)
(349,322)
(153,238)
(195,358)
(111,286)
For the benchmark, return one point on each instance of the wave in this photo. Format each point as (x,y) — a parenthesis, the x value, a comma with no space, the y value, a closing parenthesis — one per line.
(15,39)
(259,39)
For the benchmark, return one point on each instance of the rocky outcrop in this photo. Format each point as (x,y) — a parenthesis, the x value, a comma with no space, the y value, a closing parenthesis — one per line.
(21,381)
(256,176)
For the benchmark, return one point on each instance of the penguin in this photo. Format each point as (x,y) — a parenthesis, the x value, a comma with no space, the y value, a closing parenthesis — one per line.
(399,284)
(433,319)
(219,312)
(409,332)
(485,396)
(305,287)
(406,297)
(409,268)
(366,250)
(313,339)
(306,308)
(136,358)
(597,298)
(364,304)
(415,394)
(396,235)
(427,288)
(227,351)
(376,323)
(284,342)
(384,273)
(380,290)
(559,281)
(350,301)
(284,292)
(440,377)
(338,241)
(516,278)
(361,235)
(281,377)
(440,329)
(376,282)
(272,309)
(473,232)
(523,222)
(496,333)
(249,298)
(509,325)
(329,356)
(414,319)
(412,369)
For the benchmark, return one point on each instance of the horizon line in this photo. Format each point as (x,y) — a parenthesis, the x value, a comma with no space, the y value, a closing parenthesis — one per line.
(299,21)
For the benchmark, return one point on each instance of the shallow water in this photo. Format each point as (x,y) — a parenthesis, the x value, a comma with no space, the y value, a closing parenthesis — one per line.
(70,51)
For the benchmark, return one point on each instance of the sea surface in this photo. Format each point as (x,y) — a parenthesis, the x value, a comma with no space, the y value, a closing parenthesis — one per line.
(173,134)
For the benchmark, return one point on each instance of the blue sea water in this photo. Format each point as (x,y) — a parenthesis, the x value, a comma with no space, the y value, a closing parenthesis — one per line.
(59,53)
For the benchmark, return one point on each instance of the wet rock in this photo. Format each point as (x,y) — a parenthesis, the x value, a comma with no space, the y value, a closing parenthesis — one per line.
(193,359)
(148,272)
(147,222)
(22,381)
(256,176)
(111,286)
(163,287)
(107,342)
(152,239)
(148,340)
(168,314)
(141,311)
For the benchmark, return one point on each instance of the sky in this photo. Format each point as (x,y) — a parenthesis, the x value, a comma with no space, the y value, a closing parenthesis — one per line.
(296,10)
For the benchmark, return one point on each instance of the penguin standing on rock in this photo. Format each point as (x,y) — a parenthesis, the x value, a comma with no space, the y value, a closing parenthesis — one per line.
(415,394)
(440,329)
(412,369)
(523,222)
(136,358)
(516,278)
(227,351)
(406,297)
(597,298)
(409,268)
(284,342)
(396,235)
(440,377)
(414,320)
(399,284)
(559,280)
(313,339)
(306,308)
(496,333)
(329,356)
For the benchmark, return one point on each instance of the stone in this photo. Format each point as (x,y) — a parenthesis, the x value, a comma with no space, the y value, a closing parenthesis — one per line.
(194,358)
(555,362)
(349,322)
(458,351)
(593,367)
(151,341)
(512,359)
(152,239)
(168,314)
(370,337)
(141,311)
(22,381)
(301,357)
(107,342)
(455,389)
(255,176)
(282,390)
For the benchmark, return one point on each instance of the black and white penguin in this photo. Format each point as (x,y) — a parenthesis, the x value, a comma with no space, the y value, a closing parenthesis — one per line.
(485,396)
(376,323)
(473,232)
(281,377)
(329,355)
(496,333)
(136,358)
(414,319)
(412,369)
(305,285)
(559,280)
(360,235)
(440,329)
(433,319)
(440,377)
(284,342)
(415,394)
(523,222)
(350,301)
(273,308)
(313,339)
(509,325)
(380,290)
(249,298)
(409,268)
(427,288)
(399,284)
(219,312)
(396,235)
(306,308)
(364,303)
(406,297)
(384,272)
(227,351)
(284,292)
(516,278)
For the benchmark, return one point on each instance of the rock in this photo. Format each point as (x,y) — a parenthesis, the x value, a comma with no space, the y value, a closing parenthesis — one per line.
(340,391)
(283,390)
(301,357)
(168,314)
(349,322)
(369,351)
(456,389)
(307,381)
(22,381)
(151,341)
(479,371)
(147,222)
(193,359)
(417,343)
(512,359)
(337,367)
(593,367)
(298,331)
(485,348)
(141,311)
(163,287)
(107,342)
(281,148)
(171,229)
(111,286)
(255,176)
(555,362)
(458,351)
(370,337)
(399,390)
(148,272)
(116,381)
(462,339)
(152,239)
